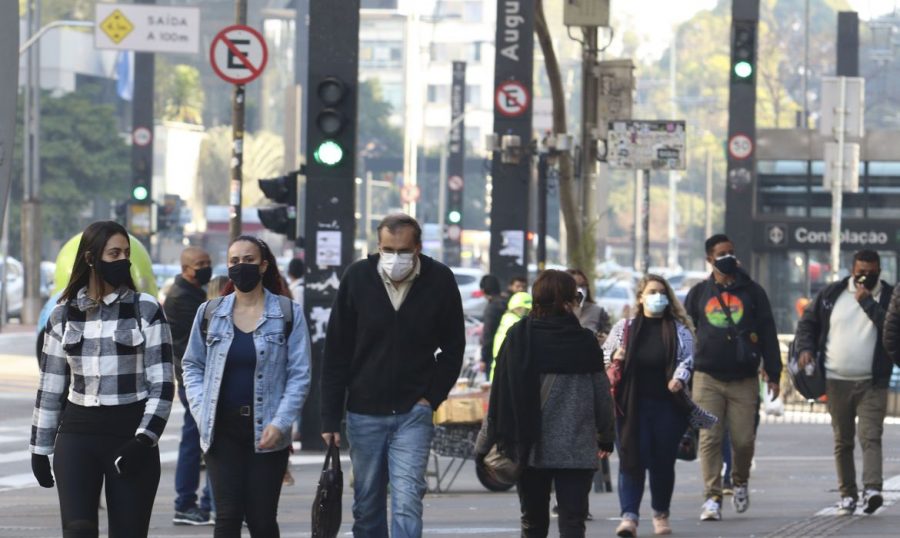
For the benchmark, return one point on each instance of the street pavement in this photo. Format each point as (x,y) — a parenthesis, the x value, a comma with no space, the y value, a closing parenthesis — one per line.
(792,488)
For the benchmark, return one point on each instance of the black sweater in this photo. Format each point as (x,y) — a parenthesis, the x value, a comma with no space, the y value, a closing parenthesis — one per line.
(181,306)
(813,327)
(715,351)
(384,360)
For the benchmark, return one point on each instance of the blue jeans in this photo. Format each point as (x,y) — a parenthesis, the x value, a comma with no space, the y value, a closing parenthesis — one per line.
(389,449)
(187,470)
(661,426)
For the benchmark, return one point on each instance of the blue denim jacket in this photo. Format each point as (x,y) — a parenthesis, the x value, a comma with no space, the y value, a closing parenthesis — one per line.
(282,377)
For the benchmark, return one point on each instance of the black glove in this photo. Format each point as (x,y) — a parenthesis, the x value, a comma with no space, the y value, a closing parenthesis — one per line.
(133,455)
(40,467)
(606,447)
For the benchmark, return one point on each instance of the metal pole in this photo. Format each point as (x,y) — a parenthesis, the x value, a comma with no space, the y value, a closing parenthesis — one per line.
(709,196)
(805,113)
(672,258)
(442,197)
(837,186)
(636,233)
(542,171)
(9,39)
(31,209)
(645,221)
(237,135)
(368,213)
(589,110)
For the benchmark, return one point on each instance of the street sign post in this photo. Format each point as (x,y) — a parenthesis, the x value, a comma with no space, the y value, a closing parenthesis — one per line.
(147,28)
(646,145)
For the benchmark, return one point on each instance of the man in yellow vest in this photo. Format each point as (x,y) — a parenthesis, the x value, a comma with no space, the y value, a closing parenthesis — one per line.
(519,306)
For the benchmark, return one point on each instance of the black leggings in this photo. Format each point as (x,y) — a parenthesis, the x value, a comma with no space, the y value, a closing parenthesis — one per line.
(573,488)
(246,485)
(81,463)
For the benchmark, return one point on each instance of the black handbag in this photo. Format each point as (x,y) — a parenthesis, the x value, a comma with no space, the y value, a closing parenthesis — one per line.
(687,447)
(810,386)
(326,508)
(747,342)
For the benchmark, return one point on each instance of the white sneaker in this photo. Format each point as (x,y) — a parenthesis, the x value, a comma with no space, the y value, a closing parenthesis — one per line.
(846,506)
(712,510)
(872,500)
(741,499)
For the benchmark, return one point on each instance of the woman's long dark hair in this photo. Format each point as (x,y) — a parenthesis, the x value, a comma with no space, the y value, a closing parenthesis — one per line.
(93,242)
(271,279)
(552,292)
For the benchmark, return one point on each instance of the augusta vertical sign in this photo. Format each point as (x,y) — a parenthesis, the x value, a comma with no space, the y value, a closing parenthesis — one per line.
(455,163)
(512,118)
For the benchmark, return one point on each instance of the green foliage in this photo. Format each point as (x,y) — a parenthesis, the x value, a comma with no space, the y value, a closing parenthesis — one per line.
(263,158)
(374,135)
(179,93)
(82,157)
(702,65)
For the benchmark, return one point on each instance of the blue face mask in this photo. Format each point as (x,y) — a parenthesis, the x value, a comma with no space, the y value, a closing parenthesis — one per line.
(656,303)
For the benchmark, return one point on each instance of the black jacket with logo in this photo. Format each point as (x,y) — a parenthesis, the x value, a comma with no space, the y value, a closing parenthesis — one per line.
(813,327)
(715,350)
(180,307)
(384,360)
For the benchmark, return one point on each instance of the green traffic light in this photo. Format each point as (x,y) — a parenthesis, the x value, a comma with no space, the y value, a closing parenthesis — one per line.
(454,217)
(743,69)
(140,193)
(329,153)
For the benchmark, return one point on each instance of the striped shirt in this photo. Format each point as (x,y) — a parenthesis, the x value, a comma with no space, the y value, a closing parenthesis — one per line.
(104,357)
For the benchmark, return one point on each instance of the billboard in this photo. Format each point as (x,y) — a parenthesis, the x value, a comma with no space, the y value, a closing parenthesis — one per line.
(646,145)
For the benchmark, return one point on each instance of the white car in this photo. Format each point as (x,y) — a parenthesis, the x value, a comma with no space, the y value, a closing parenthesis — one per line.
(468,281)
(14,286)
(615,296)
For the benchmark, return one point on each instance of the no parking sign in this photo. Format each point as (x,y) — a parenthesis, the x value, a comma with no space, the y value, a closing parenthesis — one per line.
(238,54)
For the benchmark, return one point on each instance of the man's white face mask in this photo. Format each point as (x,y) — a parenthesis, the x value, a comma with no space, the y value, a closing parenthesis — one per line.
(397,266)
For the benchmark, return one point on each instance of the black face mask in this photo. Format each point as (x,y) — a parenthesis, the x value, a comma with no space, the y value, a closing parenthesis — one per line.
(245,276)
(203,276)
(726,265)
(869,280)
(115,273)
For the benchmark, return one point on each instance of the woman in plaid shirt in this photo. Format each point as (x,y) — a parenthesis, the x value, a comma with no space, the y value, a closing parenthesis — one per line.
(105,391)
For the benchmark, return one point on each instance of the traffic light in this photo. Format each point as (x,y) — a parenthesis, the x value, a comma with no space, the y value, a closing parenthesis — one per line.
(281,217)
(334,118)
(743,52)
(140,193)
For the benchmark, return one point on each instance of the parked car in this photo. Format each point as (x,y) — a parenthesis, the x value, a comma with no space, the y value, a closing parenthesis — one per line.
(14,287)
(473,299)
(615,296)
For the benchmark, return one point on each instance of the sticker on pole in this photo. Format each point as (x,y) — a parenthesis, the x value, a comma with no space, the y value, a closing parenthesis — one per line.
(238,54)
(740,146)
(455,183)
(511,98)
(141,136)
(410,194)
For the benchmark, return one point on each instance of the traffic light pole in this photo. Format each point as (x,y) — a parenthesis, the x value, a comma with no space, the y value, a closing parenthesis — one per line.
(237,135)
(330,224)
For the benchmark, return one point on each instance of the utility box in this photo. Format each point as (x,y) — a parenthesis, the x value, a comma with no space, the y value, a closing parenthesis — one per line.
(586,12)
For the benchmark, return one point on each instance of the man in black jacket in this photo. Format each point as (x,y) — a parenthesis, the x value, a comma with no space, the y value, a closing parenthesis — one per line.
(393,350)
(182,302)
(735,331)
(841,331)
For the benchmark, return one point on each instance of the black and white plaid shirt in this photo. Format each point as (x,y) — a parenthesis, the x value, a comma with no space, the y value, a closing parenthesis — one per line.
(104,357)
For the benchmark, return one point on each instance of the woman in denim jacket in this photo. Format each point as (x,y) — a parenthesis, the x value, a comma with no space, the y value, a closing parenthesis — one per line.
(246,375)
